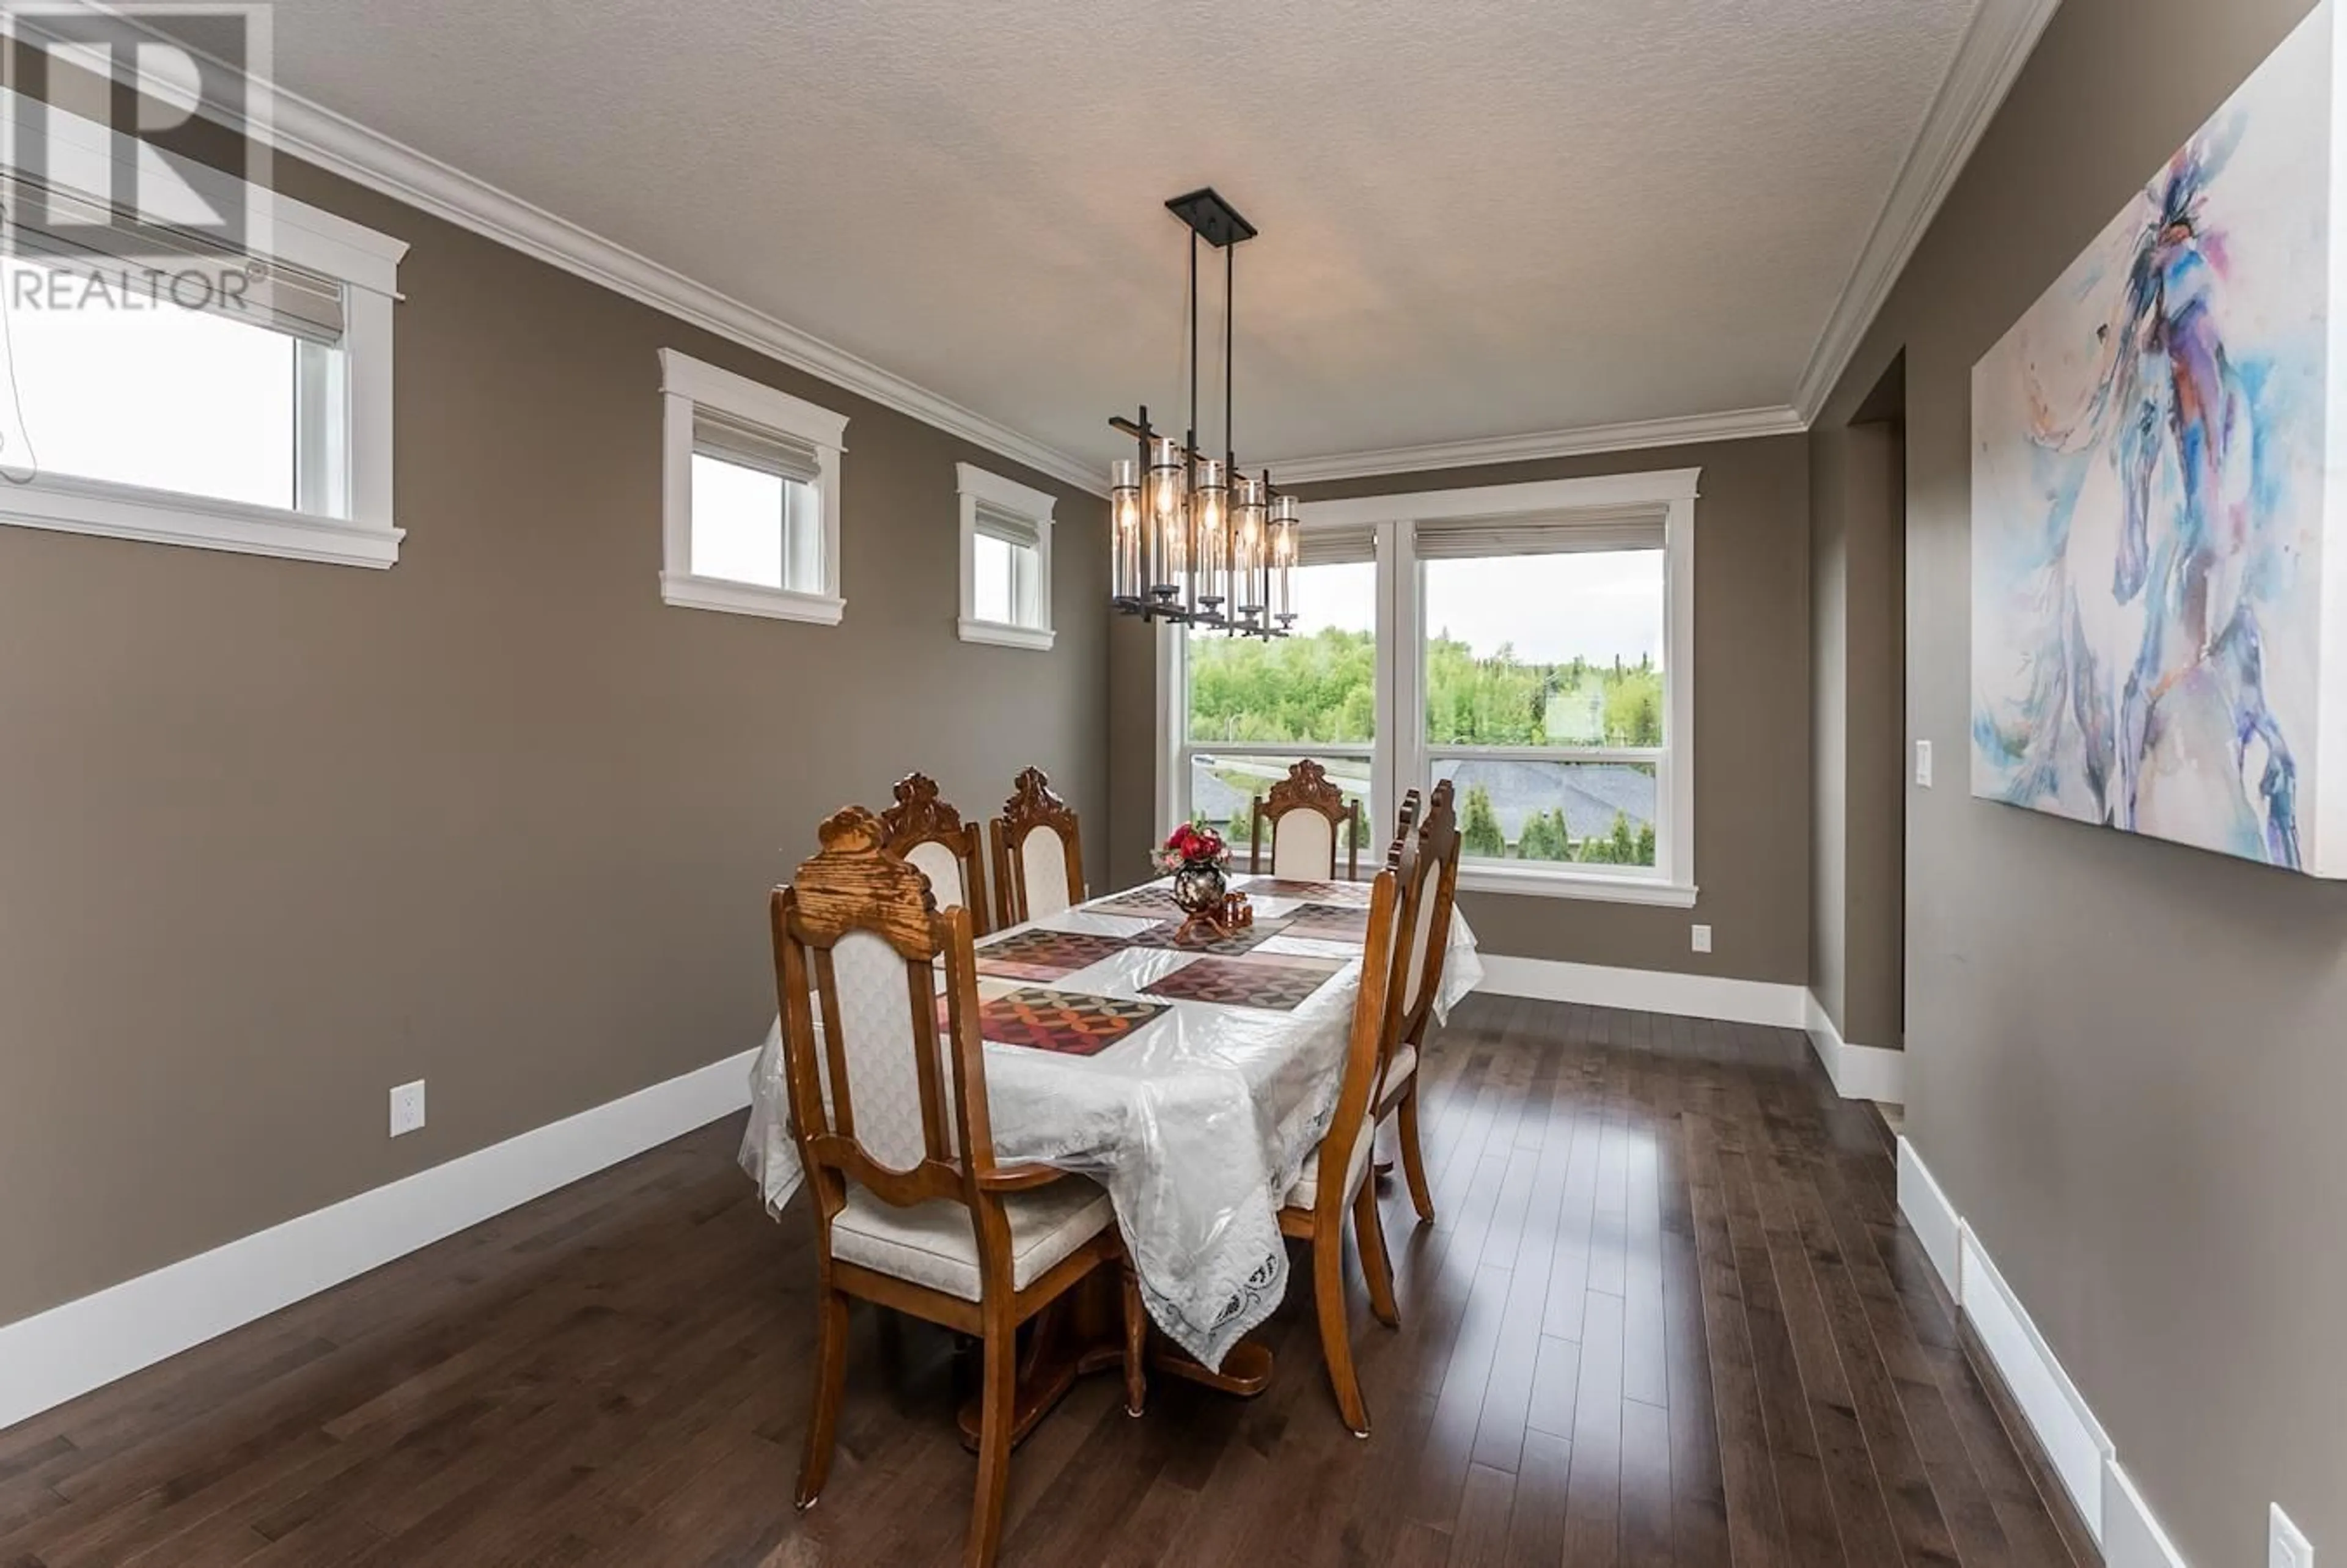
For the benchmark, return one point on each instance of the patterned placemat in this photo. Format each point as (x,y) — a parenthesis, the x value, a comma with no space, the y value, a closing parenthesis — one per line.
(1329,923)
(1281,888)
(1246,940)
(1070,1023)
(1280,984)
(1041,954)
(1137,901)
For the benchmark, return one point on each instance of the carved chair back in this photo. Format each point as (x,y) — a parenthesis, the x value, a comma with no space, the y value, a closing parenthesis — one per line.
(930,836)
(1302,818)
(1038,855)
(887,1077)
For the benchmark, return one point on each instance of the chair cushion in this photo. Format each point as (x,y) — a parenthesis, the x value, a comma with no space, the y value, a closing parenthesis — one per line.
(1307,1190)
(934,1244)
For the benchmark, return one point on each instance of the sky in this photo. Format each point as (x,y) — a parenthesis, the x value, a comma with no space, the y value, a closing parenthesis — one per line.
(1551,608)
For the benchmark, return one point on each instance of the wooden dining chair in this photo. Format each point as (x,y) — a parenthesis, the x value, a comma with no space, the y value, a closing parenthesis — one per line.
(1406,819)
(1435,871)
(931,835)
(888,1107)
(1038,854)
(1302,818)
(1325,1192)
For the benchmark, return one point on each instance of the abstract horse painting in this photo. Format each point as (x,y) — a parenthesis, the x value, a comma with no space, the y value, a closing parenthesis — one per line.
(2160,556)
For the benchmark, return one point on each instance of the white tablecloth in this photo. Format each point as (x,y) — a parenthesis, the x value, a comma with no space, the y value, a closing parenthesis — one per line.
(1196,1124)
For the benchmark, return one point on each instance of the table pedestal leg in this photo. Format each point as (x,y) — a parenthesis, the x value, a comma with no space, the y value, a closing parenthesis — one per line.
(1082,1333)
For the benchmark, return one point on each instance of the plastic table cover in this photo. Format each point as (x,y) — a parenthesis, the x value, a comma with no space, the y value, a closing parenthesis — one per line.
(1196,1124)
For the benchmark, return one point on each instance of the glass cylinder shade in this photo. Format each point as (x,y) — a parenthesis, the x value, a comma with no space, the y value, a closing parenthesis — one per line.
(1166,519)
(1125,533)
(1211,501)
(1285,518)
(1249,507)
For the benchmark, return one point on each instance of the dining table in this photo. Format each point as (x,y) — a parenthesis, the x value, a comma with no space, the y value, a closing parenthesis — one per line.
(1189,1074)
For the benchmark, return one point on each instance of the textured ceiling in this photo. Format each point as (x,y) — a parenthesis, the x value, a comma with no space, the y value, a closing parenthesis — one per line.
(1480,217)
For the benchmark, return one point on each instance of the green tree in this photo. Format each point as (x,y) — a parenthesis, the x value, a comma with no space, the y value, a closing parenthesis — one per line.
(1481,831)
(1546,836)
(1647,845)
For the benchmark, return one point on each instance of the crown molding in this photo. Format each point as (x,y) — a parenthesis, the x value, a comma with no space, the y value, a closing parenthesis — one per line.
(1633,435)
(290,123)
(1995,49)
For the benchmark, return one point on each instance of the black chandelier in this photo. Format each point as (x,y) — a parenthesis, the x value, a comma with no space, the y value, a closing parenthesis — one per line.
(1197,542)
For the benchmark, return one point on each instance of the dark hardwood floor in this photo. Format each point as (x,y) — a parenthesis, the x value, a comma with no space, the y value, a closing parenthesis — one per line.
(1667,1315)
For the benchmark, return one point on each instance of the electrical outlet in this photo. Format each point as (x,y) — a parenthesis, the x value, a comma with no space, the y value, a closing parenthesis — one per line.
(1924,763)
(1703,938)
(406,1108)
(2286,1546)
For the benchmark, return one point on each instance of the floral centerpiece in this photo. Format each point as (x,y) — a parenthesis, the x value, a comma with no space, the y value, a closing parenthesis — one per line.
(1196,857)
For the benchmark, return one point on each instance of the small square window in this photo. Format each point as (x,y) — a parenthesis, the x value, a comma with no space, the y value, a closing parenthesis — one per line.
(752,506)
(1006,561)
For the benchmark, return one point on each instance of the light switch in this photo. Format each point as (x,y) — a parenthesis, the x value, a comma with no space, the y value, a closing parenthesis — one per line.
(1924,763)
(1703,938)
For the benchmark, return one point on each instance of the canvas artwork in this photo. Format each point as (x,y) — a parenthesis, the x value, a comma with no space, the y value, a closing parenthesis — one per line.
(2159,557)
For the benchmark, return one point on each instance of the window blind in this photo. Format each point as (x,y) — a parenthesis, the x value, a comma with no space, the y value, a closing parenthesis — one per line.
(716,436)
(1021,532)
(1563,533)
(68,230)
(1337,545)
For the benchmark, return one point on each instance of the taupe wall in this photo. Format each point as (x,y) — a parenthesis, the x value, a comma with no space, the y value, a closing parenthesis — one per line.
(1856,730)
(2126,1059)
(275,836)
(1752,737)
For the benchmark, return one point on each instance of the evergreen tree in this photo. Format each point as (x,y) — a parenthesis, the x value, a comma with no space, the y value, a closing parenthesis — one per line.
(1647,845)
(1481,831)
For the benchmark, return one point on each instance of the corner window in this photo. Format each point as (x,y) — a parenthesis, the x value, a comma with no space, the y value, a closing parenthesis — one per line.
(165,388)
(751,503)
(1006,560)
(1530,643)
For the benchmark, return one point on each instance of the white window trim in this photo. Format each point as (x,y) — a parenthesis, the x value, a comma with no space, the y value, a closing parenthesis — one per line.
(1400,759)
(367,263)
(979,488)
(687,384)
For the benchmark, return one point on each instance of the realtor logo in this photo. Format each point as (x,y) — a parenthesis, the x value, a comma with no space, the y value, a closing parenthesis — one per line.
(124,122)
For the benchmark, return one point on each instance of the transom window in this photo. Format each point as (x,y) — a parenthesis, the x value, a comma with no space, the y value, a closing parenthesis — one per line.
(752,504)
(1530,644)
(166,387)
(1006,560)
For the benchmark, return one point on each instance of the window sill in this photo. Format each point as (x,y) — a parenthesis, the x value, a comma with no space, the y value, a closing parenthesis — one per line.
(1002,634)
(689,592)
(163,517)
(1576,885)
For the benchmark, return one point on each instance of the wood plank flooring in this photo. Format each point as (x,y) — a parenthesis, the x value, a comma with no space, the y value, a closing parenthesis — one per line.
(1668,1315)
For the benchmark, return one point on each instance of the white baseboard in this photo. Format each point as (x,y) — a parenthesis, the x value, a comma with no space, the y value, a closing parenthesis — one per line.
(2132,1538)
(1646,991)
(67,1352)
(2066,1427)
(1858,1072)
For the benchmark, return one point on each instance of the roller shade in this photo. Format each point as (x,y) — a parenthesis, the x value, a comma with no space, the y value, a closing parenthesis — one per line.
(1564,533)
(1021,532)
(68,230)
(715,435)
(1336,546)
